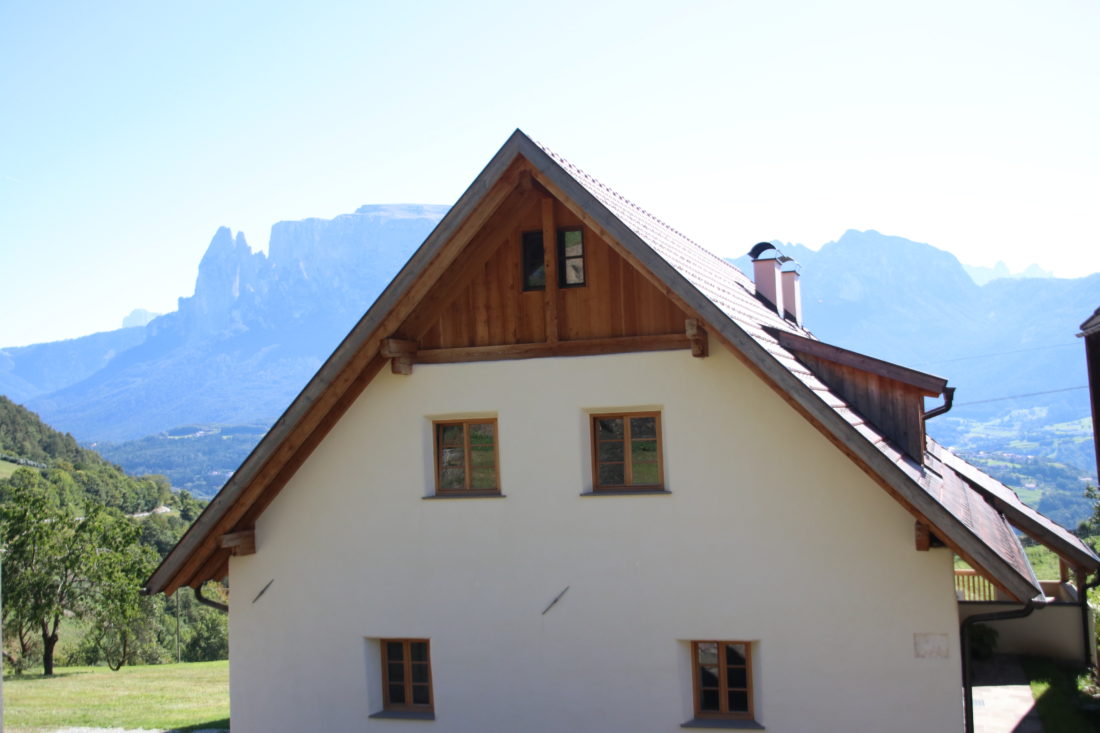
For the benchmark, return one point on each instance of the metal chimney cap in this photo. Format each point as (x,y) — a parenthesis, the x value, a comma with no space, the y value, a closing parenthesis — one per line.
(761,248)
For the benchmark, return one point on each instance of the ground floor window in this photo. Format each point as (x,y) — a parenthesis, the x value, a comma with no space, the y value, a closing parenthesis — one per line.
(722,679)
(406,675)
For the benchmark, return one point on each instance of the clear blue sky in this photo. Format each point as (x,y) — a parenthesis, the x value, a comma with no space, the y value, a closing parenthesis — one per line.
(130,131)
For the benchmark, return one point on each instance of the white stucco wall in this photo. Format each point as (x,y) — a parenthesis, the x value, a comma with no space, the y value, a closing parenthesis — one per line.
(768,534)
(1052,631)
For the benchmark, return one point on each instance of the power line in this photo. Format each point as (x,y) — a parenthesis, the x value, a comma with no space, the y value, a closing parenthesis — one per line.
(1016,396)
(1000,353)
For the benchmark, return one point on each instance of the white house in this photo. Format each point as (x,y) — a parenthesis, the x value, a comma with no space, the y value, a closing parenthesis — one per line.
(571,472)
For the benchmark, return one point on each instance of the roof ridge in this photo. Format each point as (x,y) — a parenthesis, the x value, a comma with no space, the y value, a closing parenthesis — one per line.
(576,171)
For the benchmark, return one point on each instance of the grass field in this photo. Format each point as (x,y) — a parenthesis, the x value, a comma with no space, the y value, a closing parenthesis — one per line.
(7,468)
(1063,708)
(185,696)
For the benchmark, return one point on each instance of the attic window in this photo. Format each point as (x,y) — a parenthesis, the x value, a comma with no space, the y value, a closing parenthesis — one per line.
(570,252)
(534,268)
(571,258)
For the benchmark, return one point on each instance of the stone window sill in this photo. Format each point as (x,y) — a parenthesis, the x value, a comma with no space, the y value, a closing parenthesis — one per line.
(404,715)
(723,723)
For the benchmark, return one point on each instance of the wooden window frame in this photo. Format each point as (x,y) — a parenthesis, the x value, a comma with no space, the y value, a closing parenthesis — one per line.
(562,259)
(529,262)
(407,682)
(628,484)
(467,488)
(723,713)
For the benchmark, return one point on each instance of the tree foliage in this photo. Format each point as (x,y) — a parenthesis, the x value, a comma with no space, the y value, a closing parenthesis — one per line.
(59,565)
(79,540)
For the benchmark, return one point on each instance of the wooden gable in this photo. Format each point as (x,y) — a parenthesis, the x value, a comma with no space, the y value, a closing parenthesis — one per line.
(479,310)
(889,396)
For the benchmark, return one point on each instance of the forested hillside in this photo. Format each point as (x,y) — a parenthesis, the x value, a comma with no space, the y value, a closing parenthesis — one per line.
(80,536)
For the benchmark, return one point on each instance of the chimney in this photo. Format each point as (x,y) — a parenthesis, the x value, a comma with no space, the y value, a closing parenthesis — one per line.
(792,293)
(766,264)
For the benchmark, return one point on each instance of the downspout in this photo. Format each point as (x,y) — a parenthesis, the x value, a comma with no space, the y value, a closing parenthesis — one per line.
(948,399)
(207,602)
(968,684)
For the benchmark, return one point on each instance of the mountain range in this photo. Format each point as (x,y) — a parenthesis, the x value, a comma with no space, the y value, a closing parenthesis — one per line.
(257,327)
(237,351)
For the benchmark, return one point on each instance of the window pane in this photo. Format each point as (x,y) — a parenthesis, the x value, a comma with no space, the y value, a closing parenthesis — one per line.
(452,478)
(574,272)
(735,654)
(451,435)
(420,695)
(644,450)
(645,474)
(708,652)
(396,672)
(609,427)
(573,243)
(612,474)
(420,673)
(708,676)
(737,677)
(739,702)
(643,427)
(708,700)
(481,433)
(452,457)
(484,478)
(610,451)
(418,651)
(483,455)
(397,694)
(534,268)
(394,651)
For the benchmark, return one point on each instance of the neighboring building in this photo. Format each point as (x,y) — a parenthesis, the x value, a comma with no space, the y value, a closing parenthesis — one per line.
(1090,331)
(573,472)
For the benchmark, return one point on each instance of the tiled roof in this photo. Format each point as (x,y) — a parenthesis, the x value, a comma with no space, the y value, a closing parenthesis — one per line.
(1019,514)
(735,295)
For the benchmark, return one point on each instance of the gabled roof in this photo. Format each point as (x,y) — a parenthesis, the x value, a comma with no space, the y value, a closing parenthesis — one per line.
(719,294)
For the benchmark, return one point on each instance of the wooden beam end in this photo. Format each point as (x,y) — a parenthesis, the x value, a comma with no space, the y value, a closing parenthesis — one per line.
(239,543)
(923,537)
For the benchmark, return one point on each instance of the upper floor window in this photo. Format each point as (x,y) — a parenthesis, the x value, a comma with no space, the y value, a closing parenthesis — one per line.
(626,451)
(570,254)
(466,456)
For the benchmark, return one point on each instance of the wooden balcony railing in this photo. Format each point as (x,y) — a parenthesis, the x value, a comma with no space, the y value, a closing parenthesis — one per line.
(970,586)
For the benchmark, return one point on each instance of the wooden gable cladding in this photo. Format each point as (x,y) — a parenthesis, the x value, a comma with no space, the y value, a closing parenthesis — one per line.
(894,408)
(889,396)
(480,302)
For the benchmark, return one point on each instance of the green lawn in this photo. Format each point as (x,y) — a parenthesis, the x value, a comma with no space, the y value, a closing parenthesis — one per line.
(164,696)
(7,468)
(1063,707)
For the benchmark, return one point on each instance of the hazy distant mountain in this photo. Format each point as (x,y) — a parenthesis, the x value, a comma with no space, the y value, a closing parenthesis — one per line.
(240,348)
(29,371)
(138,317)
(982,275)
